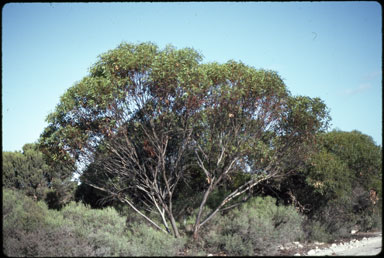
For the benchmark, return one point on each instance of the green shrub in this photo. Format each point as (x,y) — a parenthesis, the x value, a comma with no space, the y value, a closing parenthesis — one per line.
(48,242)
(30,229)
(254,229)
(316,231)
(88,219)
(104,229)
(21,212)
(368,216)
(337,218)
(235,245)
(147,241)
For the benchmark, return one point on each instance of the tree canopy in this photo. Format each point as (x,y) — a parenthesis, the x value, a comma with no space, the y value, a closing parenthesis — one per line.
(28,172)
(340,185)
(144,120)
(360,153)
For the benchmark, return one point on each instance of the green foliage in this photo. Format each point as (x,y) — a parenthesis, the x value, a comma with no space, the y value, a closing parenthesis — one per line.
(316,231)
(337,217)
(30,229)
(86,218)
(106,230)
(254,229)
(21,212)
(360,153)
(91,196)
(60,193)
(328,176)
(360,173)
(336,183)
(141,75)
(150,242)
(304,113)
(29,173)
(160,129)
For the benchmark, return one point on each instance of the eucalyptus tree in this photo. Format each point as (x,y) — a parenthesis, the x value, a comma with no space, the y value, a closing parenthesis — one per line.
(143,117)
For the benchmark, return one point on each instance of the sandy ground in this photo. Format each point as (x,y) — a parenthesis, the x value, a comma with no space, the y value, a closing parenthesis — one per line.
(366,246)
(362,244)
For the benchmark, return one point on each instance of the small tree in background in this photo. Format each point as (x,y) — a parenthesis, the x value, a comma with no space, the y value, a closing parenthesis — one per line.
(360,153)
(340,185)
(364,161)
(29,173)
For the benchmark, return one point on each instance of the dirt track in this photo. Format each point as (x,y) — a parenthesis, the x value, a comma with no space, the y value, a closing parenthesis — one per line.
(355,245)
(366,246)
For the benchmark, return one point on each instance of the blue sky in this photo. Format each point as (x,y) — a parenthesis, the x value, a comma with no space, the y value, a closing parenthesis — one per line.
(331,50)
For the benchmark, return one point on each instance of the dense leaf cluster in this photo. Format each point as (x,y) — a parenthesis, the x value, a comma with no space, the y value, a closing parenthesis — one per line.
(30,173)
(341,184)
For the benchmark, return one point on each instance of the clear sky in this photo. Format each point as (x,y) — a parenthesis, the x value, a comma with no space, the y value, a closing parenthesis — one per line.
(331,50)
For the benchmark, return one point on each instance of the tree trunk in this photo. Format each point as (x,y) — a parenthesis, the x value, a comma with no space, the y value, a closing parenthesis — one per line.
(174,226)
(196,228)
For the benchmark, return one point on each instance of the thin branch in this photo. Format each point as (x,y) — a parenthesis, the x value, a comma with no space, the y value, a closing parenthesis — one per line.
(129,203)
(240,190)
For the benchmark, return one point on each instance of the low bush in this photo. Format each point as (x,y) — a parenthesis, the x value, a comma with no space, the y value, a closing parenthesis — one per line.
(254,229)
(368,215)
(338,217)
(147,241)
(316,231)
(30,229)
(21,212)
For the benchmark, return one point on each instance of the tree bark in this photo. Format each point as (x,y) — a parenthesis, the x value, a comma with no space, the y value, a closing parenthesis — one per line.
(202,204)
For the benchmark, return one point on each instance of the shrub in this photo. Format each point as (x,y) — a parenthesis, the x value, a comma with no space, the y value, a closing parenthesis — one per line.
(316,231)
(21,212)
(339,216)
(254,229)
(30,229)
(146,241)
(368,216)
(86,218)
(333,221)
(104,229)
(48,242)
